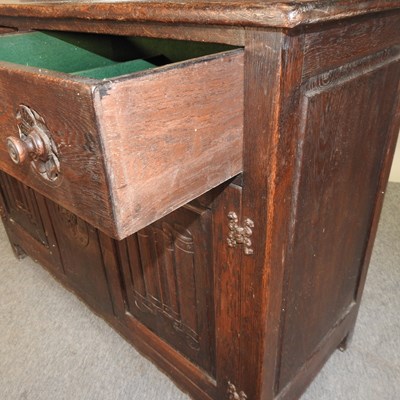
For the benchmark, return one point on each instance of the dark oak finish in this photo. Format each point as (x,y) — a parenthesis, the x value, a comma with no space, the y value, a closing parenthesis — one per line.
(337,188)
(267,13)
(343,42)
(310,115)
(160,280)
(233,35)
(271,118)
(28,223)
(168,279)
(81,257)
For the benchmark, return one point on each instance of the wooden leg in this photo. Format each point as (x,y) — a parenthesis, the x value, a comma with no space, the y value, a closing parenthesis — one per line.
(346,342)
(18,251)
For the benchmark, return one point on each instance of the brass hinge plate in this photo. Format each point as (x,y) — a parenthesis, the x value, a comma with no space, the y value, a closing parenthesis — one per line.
(240,235)
(233,394)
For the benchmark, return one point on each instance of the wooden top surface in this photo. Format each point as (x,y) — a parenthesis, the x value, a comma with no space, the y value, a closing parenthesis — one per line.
(274,13)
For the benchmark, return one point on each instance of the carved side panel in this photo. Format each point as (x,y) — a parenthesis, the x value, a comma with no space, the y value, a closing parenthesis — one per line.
(21,207)
(167,271)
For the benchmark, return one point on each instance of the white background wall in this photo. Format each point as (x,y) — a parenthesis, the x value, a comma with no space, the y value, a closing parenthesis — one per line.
(395,172)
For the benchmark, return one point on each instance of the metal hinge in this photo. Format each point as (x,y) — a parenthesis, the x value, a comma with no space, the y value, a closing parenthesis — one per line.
(233,394)
(240,234)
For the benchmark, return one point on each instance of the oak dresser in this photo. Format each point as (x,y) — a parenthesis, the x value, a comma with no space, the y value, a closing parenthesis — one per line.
(206,175)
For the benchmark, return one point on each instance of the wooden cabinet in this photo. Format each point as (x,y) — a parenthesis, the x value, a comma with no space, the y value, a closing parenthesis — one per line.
(218,211)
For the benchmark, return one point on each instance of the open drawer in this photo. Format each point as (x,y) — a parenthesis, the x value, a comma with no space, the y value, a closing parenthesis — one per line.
(120,131)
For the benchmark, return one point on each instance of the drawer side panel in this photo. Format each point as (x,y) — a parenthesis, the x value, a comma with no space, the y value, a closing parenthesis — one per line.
(171,135)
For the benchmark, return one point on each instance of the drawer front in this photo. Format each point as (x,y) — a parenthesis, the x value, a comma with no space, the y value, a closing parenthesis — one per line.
(31,101)
(123,152)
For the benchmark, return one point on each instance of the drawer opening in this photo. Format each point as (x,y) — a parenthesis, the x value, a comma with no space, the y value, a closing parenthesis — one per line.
(98,56)
(126,148)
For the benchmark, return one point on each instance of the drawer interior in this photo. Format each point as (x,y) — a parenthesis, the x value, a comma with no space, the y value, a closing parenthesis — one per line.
(98,56)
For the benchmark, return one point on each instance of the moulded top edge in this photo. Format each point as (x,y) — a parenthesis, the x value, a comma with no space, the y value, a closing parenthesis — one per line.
(273,13)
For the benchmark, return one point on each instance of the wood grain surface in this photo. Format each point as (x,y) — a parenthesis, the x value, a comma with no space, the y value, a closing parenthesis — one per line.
(338,186)
(274,13)
(317,110)
(170,135)
(66,107)
(339,43)
(271,121)
(160,280)
(233,35)
(150,143)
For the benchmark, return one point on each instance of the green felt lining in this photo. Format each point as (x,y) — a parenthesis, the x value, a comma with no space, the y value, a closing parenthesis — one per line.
(38,49)
(97,56)
(110,71)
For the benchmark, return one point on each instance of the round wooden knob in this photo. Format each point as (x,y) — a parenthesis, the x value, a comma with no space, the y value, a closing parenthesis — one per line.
(19,150)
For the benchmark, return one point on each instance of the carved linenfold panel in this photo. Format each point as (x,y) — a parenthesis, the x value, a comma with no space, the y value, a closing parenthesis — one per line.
(185,275)
(167,256)
(81,256)
(77,228)
(150,266)
(192,338)
(20,206)
(165,252)
(163,266)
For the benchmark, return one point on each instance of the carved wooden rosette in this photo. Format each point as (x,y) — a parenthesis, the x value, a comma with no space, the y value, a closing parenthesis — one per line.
(36,143)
